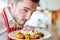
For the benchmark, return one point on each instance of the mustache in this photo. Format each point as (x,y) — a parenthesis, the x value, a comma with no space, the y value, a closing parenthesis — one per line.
(23,20)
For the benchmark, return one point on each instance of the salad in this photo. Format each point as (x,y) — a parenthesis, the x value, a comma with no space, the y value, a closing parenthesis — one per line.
(29,34)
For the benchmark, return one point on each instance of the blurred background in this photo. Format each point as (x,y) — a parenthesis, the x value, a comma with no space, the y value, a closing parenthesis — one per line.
(51,8)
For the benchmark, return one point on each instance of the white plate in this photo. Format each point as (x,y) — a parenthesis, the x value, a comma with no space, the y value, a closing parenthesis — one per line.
(12,34)
(46,34)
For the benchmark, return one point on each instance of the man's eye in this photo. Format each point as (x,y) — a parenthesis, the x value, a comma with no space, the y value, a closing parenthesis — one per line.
(25,10)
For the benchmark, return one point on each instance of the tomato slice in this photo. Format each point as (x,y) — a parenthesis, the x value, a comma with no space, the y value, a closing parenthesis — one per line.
(32,38)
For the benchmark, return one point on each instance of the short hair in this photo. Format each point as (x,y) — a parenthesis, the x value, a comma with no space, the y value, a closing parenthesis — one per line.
(35,1)
(16,1)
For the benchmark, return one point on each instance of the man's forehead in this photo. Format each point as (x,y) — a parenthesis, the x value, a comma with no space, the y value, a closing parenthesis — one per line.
(31,4)
(29,1)
(27,5)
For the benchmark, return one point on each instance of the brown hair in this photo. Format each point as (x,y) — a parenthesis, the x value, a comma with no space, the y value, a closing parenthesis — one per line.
(35,1)
(16,1)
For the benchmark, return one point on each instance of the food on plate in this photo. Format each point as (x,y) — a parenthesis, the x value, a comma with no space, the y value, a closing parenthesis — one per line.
(32,35)
(41,34)
(37,36)
(32,38)
(27,36)
(20,36)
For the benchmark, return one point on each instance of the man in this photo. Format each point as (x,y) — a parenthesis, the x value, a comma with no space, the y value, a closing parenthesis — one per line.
(21,12)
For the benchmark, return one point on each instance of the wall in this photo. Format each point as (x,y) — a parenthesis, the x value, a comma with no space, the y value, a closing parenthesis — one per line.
(50,4)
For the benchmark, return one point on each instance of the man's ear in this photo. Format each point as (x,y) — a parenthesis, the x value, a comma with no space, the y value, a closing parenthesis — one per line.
(11,4)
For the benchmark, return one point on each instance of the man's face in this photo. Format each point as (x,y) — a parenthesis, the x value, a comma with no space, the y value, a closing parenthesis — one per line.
(23,11)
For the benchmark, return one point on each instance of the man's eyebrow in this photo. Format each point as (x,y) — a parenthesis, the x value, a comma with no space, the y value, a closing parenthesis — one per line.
(27,8)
